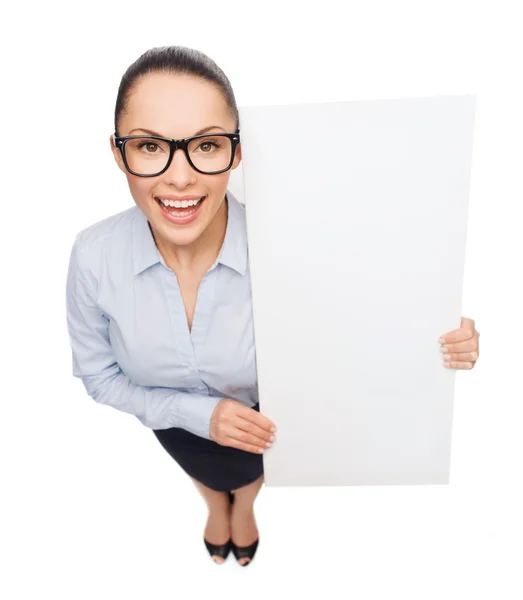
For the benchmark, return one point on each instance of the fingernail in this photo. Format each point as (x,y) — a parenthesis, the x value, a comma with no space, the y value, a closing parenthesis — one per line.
(441,340)
(446,356)
(272,438)
(273,429)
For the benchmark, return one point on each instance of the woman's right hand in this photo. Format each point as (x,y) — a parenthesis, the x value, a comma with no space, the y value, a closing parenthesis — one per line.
(234,424)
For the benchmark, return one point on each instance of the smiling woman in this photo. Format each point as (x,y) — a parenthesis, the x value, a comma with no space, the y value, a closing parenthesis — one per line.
(159,306)
(177,106)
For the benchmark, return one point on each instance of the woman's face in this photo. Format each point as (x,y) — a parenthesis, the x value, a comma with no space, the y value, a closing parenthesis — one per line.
(176,106)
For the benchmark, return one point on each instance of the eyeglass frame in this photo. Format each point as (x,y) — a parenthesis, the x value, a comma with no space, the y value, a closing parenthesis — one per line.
(182,144)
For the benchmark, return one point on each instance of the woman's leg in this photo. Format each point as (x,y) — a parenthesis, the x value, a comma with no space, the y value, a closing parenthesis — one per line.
(217,530)
(244,531)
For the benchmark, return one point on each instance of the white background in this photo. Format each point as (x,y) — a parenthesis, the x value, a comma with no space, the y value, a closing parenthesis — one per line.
(92,506)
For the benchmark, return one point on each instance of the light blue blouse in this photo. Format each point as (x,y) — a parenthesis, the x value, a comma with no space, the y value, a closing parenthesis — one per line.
(131,344)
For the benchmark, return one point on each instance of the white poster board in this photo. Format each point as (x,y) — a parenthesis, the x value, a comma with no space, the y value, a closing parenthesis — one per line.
(356,221)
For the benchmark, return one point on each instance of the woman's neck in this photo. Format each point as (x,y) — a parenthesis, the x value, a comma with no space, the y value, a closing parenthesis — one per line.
(199,256)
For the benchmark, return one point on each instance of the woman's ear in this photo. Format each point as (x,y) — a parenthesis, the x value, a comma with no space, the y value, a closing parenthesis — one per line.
(117,155)
(237,156)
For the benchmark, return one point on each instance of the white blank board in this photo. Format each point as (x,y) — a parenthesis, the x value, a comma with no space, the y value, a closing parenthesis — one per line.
(356,222)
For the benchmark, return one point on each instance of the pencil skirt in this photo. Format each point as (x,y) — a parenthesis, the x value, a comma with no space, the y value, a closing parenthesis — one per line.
(221,468)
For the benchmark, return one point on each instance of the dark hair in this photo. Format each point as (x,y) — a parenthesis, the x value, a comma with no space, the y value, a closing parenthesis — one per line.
(176,60)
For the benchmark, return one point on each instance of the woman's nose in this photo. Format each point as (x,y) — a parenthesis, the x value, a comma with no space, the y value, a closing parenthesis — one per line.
(180,171)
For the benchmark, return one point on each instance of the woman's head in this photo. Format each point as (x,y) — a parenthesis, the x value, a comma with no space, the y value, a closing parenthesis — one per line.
(176,92)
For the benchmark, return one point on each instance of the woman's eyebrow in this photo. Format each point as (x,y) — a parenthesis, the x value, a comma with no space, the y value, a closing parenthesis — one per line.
(205,129)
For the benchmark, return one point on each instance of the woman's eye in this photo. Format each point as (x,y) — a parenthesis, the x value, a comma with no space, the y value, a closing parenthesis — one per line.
(148,146)
(203,144)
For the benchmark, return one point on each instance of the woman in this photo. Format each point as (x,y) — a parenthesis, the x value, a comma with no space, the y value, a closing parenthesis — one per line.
(159,304)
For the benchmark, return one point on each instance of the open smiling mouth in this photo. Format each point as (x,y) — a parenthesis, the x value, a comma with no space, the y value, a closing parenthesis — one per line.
(181,214)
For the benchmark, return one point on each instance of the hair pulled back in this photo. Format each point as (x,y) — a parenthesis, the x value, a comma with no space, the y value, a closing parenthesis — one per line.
(178,60)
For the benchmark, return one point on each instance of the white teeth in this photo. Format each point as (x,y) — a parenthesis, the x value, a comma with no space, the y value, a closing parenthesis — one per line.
(179,203)
(184,214)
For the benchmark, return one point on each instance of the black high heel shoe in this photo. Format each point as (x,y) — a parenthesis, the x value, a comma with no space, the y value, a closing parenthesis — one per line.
(221,550)
(244,552)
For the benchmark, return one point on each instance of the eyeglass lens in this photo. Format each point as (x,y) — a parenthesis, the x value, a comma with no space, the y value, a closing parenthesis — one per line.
(149,156)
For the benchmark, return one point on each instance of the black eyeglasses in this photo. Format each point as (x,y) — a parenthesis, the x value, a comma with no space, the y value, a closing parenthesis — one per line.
(150,155)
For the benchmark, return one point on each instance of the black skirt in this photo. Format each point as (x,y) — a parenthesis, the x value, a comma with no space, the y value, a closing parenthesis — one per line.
(221,468)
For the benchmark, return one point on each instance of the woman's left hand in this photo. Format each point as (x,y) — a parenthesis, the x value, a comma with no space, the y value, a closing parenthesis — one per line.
(460,347)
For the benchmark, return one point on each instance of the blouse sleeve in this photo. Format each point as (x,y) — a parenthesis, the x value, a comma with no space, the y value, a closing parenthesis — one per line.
(95,364)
